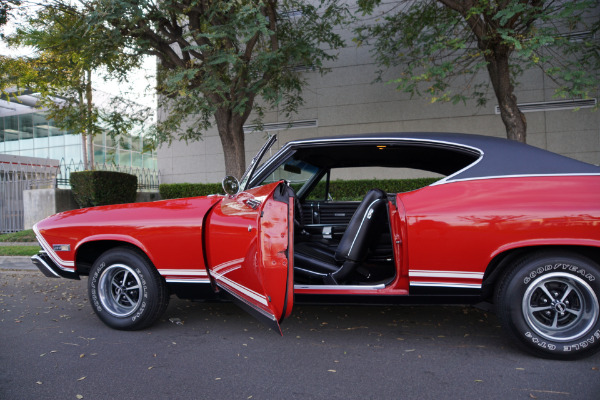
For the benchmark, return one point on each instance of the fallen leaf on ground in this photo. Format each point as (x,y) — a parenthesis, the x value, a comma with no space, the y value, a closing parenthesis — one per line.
(548,391)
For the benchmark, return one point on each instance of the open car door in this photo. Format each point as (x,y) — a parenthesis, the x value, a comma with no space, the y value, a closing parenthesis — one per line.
(248,239)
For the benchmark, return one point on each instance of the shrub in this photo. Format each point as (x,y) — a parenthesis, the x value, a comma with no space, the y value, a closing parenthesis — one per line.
(340,190)
(100,188)
(349,190)
(179,190)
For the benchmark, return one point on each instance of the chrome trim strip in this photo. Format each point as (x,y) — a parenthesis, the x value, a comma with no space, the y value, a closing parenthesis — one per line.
(380,138)
(444,274)
(340,287)
(68,266)
(44,264)
(447,179)
(235,264)
(288,145)
(193,280)
(448,285)
(242,289)
(251,305)
(512,176)
(183,272)
(219,272)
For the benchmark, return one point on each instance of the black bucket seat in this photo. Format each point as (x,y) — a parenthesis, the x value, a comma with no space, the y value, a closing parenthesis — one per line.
(332,265)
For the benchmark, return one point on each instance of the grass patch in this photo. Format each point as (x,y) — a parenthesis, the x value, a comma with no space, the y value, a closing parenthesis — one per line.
(22,236)
(19,250)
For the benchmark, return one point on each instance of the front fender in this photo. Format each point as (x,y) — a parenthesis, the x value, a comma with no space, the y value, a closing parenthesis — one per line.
(169,232)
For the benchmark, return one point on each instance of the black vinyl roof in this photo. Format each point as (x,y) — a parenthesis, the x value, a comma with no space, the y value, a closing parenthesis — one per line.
(462,156)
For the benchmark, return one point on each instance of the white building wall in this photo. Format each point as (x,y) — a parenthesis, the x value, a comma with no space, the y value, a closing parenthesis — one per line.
(346,101)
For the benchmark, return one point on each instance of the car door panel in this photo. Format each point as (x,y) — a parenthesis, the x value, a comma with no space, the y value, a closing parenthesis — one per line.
(248,250)
(329,213)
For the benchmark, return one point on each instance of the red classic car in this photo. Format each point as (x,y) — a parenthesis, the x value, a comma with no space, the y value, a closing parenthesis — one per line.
(499,221)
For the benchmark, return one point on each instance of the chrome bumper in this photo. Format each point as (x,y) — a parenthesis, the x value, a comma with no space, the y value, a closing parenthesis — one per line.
(50,269)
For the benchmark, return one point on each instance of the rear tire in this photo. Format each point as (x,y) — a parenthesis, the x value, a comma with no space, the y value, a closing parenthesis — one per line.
(126,291)
(549,303)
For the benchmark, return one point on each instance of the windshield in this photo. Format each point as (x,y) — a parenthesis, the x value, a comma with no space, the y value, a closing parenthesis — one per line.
(298,173)
(254,163)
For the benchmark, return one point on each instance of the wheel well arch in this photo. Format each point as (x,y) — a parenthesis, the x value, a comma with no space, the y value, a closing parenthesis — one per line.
(502,262)
(89,252)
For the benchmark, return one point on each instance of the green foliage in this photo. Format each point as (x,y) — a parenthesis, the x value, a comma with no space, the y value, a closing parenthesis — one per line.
(340,190)
(217,57)
(22,236)
(100,188)
(19,250)
(67,51)
(181,190)
(355,190)
(439,48)
(13,71)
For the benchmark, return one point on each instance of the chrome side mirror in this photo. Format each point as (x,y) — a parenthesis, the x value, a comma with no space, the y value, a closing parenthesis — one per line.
(230,185)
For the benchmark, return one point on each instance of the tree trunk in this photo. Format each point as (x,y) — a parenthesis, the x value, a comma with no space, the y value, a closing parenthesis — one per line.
(499,71)
(88,95)
(83,135)
(231,132)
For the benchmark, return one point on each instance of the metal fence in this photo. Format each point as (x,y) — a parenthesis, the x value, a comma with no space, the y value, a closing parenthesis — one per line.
(18,174)
(147,178)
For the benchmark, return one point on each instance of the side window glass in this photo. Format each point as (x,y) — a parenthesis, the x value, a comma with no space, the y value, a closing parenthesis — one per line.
(319,192)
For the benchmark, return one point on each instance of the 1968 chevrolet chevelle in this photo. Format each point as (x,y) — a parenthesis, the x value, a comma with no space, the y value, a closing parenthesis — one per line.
(504,222)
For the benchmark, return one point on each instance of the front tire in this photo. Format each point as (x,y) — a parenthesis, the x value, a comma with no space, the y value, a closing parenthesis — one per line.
(126,291)
(549,303)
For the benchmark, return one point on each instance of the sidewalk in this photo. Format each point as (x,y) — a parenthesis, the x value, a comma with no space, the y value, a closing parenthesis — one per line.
(16,263)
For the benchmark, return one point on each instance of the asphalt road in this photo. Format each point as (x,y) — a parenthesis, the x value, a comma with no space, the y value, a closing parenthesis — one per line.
(53,347)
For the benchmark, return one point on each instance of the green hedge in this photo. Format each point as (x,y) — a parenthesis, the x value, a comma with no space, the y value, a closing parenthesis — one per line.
(179,190)
(356,189)
(100,188)
(340,190)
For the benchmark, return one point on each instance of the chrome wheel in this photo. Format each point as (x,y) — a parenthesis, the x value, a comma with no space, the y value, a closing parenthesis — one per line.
(560,307)
(119,290)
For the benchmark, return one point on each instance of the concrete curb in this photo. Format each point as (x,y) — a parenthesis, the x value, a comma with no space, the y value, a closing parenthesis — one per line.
(8,244)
